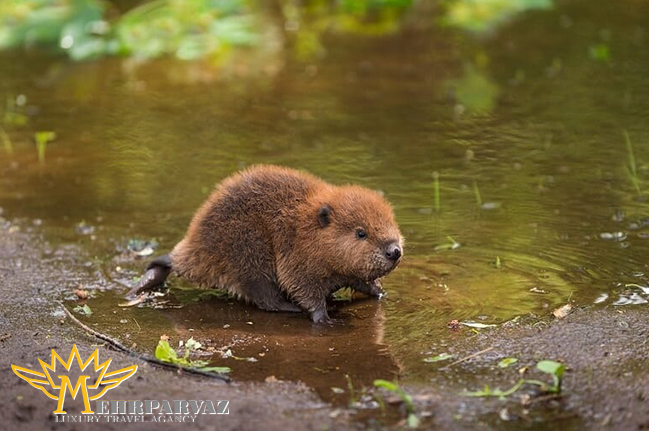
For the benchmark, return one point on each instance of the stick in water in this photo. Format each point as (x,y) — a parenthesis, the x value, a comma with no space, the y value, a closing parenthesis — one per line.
(150,359)
(466,358)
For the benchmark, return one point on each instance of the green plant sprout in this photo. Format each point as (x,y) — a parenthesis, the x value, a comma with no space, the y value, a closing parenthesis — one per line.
(436,196)
(413,420)
(450,245)
(553,368)
(9,149)
(476,193)
(350,387)
(42,139)
(631,167)
(507,362)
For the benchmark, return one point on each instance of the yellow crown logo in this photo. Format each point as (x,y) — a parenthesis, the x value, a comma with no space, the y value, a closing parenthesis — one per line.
(106,380)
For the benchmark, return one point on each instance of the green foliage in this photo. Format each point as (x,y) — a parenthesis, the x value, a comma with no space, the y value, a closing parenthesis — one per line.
(599,52)
(350,387)
(370,16)
(345,294)
(475,91)
(413,420)
(450,245)
(42,139)
(631,167)
(436,195)
(476,194)
(75,26)
(166,353)
(13,115)
(9,149)
(498,263)
(488,392)
(507,362)
(438,358)
(553,368)
(188,30)
(85,310)
(484,15)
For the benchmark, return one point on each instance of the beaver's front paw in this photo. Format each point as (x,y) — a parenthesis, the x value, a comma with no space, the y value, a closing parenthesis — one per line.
(375,289)
(320,315)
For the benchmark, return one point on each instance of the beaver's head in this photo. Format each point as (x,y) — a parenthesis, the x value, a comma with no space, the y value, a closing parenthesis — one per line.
(358,234)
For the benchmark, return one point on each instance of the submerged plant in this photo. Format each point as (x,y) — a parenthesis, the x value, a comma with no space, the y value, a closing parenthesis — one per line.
(450,245)
(497,392)
(413,419)
(85,310)
(631,166)
(42,139)
(9,149)
(438,358)
(507,362)
(350,387)
(553,368)
(476,193)
(436,197)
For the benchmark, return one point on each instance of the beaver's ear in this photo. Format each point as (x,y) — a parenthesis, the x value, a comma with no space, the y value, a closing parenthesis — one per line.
(324,215)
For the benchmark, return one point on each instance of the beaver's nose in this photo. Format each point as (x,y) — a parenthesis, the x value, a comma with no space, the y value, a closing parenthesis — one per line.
(393,252)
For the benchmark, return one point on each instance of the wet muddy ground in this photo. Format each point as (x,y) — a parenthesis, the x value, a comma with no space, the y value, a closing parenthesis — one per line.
(606,386)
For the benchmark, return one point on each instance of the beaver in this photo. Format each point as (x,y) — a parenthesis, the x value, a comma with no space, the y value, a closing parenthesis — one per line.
(285,240)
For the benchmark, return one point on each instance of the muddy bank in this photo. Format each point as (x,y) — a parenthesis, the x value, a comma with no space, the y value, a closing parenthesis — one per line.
(606,386)
(606,350)
(30,327)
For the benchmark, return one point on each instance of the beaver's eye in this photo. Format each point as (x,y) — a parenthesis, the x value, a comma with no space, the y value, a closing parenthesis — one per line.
(361,234)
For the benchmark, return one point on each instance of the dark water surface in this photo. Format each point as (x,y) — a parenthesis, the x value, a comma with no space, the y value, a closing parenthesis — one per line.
(524,127)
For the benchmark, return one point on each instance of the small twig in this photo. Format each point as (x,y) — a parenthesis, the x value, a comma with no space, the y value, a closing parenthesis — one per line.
(116,345)
(138,325)
(466,358)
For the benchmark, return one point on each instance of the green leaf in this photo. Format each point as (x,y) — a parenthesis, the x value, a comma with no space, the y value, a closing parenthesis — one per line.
(440,357)
(413,421)
(83,310)
(393,387)
(192,344)
(507,362)
(164,352)
(487,392)
(380,383)
(551,367)
(44,137)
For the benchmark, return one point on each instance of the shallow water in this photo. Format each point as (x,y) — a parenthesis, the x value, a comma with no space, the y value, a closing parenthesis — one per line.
(523,127)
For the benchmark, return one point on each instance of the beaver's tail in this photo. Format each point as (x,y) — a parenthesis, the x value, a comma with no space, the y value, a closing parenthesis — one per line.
(156,273)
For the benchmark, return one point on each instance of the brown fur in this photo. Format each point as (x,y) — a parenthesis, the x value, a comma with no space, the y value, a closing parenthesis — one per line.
(279,237)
